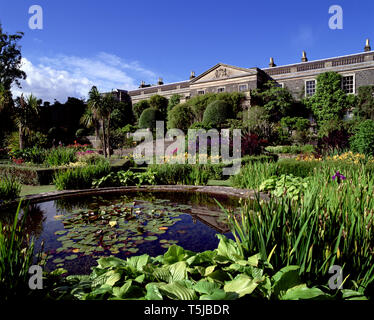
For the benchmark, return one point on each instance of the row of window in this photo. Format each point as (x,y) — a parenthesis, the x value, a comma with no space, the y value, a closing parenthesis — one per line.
(242,88)
(348,85)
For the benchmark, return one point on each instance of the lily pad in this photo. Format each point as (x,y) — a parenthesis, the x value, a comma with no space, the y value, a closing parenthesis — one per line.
(150,238)
(71,257)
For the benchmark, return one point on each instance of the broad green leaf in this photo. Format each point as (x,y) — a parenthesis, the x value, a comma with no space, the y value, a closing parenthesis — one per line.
(174,254)
(152,292)
(352,295)
(219,275)
(178,271)
(99,293)
(138,262)
(209,270)
(113,279)
(206,256)
(301,292)
(228,248)
(286,278)
(178,291)
(111,262)
(241,285)
(140,279)
(206,287)
(217,294)
(120,292)
(162,274)
(253,260)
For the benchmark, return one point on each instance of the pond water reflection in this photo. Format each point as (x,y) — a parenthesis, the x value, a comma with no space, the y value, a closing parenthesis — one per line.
(78,230)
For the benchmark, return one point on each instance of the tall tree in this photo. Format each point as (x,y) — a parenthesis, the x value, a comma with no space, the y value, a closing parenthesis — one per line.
(277,102)
(10,59)
(101,108)
(110,103)
(95,106)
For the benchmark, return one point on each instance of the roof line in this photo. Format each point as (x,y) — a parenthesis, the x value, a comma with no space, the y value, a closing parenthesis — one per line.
(161,85)
(298,63)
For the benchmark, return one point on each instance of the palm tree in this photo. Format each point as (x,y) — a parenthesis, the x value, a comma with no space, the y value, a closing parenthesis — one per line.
(26,113)
(89,120)
(109,104)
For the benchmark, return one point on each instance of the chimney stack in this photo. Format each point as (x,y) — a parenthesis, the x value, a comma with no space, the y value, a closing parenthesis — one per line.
(192,75)
(304,58)
(367,46)
(272,64)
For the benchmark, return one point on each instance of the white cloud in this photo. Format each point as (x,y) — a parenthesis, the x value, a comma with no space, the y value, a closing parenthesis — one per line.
(65,76)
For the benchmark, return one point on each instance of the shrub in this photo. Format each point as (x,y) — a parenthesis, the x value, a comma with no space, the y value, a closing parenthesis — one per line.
(285,185)
(159,103)
(88,156)
(216,113)
(363,140)
(181,274)
(10,188)
(308,148)
(173,101)
(251,144)
(297,168)
(260,158)
(148,118)
(81,177)
(34,155)
(180,117)
(253,174)
(186,174)
(125,178)
(60,156)
(200,125)
(139,107)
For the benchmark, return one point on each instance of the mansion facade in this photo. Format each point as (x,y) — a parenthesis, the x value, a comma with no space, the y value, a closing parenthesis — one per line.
(299,78)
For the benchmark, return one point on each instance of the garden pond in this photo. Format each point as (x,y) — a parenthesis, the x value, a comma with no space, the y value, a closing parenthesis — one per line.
(77,230)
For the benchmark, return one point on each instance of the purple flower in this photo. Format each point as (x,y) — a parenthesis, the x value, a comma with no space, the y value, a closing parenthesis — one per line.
(338,176)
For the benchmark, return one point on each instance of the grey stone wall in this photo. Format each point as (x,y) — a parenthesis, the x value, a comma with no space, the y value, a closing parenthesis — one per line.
(364,78)
(232,87)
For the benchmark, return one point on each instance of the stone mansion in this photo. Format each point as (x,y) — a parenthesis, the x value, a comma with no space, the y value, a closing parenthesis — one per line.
(299,78)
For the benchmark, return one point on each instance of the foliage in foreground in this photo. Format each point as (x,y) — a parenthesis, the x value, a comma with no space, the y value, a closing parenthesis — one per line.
(16,252)
(81,177)
(328,223)
(10,189)
(222,274)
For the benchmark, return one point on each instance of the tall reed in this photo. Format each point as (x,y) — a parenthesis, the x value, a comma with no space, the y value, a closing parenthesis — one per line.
(16,254)
(332,223)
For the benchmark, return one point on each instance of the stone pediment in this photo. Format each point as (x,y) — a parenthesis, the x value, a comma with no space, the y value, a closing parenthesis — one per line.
(223,71)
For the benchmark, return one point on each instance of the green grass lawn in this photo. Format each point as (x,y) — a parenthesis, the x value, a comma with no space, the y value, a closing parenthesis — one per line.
(27,190)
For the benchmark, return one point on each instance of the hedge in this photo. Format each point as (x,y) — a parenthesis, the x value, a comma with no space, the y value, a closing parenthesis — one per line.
(30,175)
(37,176)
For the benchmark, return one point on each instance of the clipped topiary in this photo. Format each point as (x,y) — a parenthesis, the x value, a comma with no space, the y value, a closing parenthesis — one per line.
(139,107)
(180,117)
(216,113)
(148,118)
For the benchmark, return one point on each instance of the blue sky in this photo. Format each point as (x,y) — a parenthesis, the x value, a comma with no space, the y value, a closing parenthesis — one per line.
(116,44)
